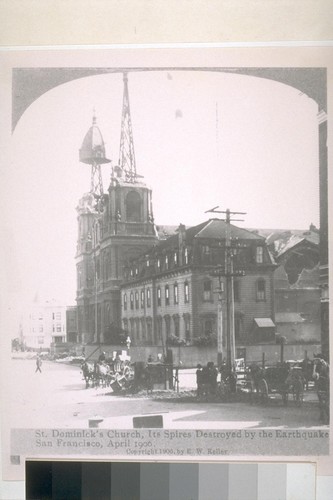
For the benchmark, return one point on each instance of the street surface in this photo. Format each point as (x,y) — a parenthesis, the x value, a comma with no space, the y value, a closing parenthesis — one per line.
(57,398)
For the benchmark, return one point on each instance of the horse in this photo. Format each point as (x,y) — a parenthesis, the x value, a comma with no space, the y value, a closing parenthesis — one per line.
(88,371)
(322,382)
(102,373)
(307,371)
(295,381)
(254,375)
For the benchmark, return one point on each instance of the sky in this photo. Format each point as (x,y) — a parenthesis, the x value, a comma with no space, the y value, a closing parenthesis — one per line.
(201,140)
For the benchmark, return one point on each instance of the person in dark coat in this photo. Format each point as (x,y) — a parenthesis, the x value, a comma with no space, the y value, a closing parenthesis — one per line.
(212,377)
(199,380)
(38,364)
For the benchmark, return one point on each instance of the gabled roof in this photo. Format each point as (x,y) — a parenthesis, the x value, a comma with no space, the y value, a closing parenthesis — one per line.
(211,229)
(217,229)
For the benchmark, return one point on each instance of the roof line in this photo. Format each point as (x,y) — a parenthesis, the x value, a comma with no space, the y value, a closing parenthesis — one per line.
(205,226)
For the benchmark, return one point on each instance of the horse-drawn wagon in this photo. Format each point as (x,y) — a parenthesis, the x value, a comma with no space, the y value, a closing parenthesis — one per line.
(281,379)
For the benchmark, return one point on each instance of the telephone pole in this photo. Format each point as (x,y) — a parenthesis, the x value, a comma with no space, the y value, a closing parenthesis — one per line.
(227,270)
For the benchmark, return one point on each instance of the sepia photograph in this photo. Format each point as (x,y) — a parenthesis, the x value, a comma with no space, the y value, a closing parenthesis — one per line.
(167,260)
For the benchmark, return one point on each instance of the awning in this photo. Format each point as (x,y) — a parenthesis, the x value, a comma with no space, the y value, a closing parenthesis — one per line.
(264,322)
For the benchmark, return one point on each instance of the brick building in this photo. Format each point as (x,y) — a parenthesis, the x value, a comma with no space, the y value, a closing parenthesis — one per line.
(170,292)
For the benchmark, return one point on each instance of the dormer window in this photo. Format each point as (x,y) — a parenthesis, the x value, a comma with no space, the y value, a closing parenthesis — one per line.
(175,258)
(186,256)
(259,255)
(159,264)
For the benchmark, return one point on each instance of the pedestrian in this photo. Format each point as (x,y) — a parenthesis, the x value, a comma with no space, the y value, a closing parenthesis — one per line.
(38,364)
(205,381)
(212,374)
(199,380)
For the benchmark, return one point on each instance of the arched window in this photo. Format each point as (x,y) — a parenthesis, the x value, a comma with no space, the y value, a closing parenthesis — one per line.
(167,296)
(159,296)
(132,300)
(176,324)
(148,298)
(175,293)
(133,207)
(175,258)
(186,293)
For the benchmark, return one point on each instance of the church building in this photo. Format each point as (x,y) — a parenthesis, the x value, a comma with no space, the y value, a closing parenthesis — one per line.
(113,227)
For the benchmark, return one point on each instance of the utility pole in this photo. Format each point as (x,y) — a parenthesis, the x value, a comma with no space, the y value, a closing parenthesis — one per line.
(227,270)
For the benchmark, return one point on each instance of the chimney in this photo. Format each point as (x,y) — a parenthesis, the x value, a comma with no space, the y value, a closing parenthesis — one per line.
(181,242)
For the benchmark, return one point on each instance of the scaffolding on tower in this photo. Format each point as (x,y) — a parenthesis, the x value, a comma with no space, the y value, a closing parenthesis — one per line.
(92,153)
(127,162)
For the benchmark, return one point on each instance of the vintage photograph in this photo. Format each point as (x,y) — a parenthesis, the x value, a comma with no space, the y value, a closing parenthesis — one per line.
(169,236)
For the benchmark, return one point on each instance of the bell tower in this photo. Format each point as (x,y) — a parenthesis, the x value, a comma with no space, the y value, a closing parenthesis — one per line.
(113,228)
(90,209)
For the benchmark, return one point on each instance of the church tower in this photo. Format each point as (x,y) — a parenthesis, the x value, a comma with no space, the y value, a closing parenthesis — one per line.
(113,230)
(90,209)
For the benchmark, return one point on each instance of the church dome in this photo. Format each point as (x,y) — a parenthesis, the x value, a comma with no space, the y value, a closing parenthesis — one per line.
(93,147)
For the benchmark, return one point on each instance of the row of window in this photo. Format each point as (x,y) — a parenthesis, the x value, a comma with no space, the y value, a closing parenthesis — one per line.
(137,300)
(141,328)
(55,328)
(208,254)
(55,316)
(164,263)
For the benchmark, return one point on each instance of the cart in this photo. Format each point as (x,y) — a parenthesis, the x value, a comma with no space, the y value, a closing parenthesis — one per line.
(278,380)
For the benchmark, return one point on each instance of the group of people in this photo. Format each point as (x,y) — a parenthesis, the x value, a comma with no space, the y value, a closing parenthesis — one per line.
(206,379)
(207,383)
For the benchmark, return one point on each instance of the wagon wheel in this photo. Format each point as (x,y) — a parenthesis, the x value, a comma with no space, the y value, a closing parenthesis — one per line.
(253,392)
(263,391)
(298,393)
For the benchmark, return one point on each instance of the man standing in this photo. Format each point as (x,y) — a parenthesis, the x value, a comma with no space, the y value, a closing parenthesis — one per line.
(38,364)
